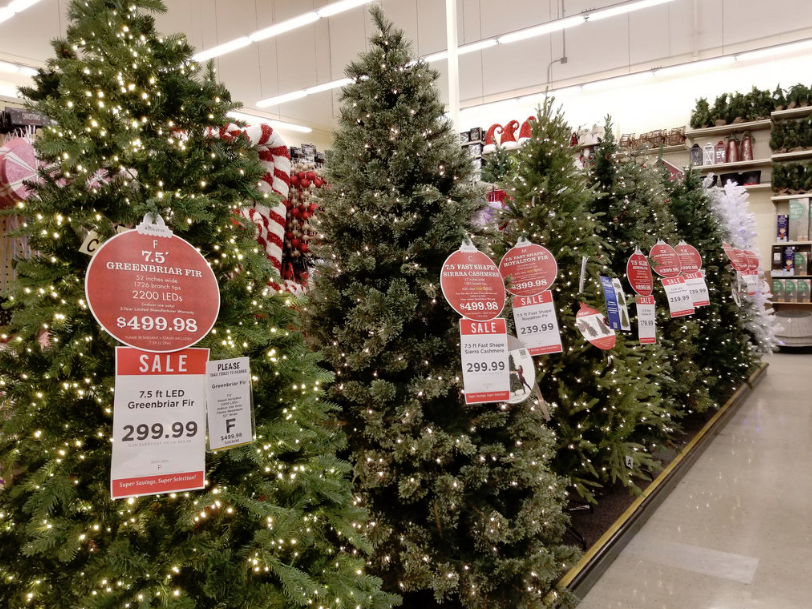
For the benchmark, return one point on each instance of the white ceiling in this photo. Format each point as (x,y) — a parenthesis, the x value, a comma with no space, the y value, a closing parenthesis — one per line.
(676,32)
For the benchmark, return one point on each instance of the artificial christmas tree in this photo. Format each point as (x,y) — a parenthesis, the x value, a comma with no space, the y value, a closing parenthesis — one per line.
(600,398)
(276,525)
(726,353)
(466,510)
(634,207)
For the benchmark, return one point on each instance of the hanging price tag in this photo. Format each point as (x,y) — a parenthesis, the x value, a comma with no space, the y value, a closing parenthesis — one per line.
(472,284)
(664,260)
(592,325)
(528,268)
(485,370)
(689,257)
(679,296)
(646,320)
(750,281)
(228,403)
(698,288)
(638,272)
(622,307)
(536,323)
(738,259)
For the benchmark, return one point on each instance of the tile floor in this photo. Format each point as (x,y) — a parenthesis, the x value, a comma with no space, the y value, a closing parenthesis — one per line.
(736,532)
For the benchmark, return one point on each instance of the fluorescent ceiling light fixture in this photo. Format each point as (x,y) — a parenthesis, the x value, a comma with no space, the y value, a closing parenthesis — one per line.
(9,90)
(791,47)
(339,7)
(222,49)
(622,9)
(15,68)
(477,46)
(695,66)
(254,119)
(284,26)
(439,56)
(20,5)
(281,99)
(544,28)
(328,86)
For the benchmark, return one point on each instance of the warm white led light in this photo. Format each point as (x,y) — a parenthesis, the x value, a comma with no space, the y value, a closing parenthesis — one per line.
(284,26)
(222,49)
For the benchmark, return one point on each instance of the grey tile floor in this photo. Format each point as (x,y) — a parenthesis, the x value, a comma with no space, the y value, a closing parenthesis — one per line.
(736,532)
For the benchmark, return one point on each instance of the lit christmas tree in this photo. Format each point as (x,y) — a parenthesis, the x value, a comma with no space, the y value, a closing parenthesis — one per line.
(634,208)
(276,525)
(602,401)
(726,352)
(466,510)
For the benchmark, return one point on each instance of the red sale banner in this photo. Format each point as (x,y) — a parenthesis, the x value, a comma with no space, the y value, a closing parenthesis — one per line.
(528,269)
(689,257)
(664,260)
(638,272)
(485,369)
(159,422)
(472,284)
(152,290)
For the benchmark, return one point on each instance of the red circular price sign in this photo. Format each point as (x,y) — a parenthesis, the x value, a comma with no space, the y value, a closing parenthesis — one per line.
(639,275)
(738,259)
(689,258)
(664,260)
(530,267)
(752,260)
(472,284)
(154,293)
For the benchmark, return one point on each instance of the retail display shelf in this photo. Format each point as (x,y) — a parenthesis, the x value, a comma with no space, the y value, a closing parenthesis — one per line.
(788,197)
(792,242)
(730,166)
(760,186)
(731,128)
(791,113)
(800,304)
(472,142)
(789,156)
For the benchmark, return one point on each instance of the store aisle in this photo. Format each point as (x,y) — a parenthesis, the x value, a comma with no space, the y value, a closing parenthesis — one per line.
(736,532)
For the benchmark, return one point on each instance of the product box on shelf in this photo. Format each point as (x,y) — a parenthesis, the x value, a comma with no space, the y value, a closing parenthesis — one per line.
(789,290)
(475,135)
(789,260)
(782,232)
(778,261)
(801,261)
(465,137)
(475,150)
(802,289)
(799,219)
(778,290)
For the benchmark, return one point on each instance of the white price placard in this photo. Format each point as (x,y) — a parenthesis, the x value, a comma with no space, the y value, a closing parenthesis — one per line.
(646,320)
(485,369)
(750,281)
(228,403)
(698,288)
(536,323)
(679,296)
(159,422)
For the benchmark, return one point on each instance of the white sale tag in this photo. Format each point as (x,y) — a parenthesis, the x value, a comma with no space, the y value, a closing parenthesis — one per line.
(679,296)
(159,418)
(228,403)
(751,282)
(646,320)
(536,323)
(485,370)
(698,288)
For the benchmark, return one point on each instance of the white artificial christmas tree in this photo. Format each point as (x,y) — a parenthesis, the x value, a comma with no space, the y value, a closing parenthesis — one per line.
(730,206)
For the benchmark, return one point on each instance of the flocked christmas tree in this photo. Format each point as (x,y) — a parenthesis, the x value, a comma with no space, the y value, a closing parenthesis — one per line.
(466,510)
(276,525)
(635,211)
(603,401)
(726,353)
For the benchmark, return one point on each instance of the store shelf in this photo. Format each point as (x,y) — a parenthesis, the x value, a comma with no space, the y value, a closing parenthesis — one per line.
(802,304)
(788,197)
(761,186)
(725,167)
(792,113)
(792,243)
(731,128)
(791,156)
(471,143)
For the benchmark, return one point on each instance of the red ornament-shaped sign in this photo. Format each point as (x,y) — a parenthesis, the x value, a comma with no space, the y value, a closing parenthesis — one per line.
(738,259)
(638,273)
(594,328)
(472,284)
(752,261)
(664,260)
(529,269)
(689,257)
(152,290)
